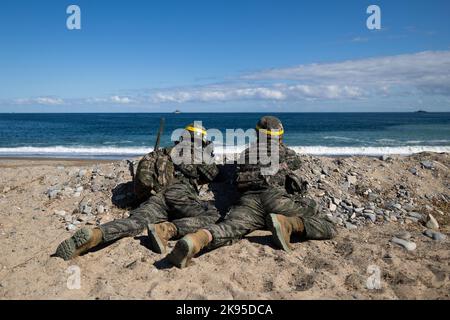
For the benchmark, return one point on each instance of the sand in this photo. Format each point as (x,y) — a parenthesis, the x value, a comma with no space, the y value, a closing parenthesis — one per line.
(358,264)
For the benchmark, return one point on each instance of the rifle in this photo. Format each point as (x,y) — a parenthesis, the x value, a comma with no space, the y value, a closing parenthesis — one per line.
(160,131)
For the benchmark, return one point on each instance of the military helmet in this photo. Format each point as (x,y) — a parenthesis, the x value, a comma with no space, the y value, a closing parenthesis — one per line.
(196,130)
(271,126)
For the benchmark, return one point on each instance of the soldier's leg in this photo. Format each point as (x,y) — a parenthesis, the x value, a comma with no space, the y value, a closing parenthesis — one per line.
(186,211)
(183,201)
(245,217)
(242,219)
(187,214)
(302,218)
(154,210)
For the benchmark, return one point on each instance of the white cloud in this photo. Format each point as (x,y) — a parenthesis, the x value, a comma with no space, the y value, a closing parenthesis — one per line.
(426,74)
(120,100)
(49,101)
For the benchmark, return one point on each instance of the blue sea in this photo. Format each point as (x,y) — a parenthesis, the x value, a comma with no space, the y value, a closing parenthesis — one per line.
(123,135)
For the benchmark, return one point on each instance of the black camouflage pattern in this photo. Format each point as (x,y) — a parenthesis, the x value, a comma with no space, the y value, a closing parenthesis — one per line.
(281,193)
(178,203)
(174,196)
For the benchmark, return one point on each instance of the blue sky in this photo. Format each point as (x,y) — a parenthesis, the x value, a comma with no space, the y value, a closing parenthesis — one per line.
(224,55)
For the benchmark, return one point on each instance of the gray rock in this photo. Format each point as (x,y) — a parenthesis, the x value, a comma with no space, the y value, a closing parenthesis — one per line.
(79,189)
(408,207)
(359,210)
(405,235)
(61,213)
(370,216)
(408,245)
(372,196)
(416,215)
(86,209)
(100,209)
(350,226)
(384,157)
(413,171)
(351,179)
(71,227)
(332,207)
(53,194)
(427,165)
(77,194)
(397,206)
(435,235)
(82,173)
(432,223)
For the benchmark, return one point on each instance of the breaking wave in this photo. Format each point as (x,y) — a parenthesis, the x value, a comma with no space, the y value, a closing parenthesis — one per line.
(85,151)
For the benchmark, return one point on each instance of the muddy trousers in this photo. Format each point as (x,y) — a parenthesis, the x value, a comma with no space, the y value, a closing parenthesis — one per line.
(253,207)
(179,204)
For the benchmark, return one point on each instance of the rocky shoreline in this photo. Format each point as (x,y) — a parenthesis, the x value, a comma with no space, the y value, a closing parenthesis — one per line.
(363,196)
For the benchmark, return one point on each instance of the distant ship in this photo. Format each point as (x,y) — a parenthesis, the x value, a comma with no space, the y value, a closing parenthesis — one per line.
(177,111)
(421,111)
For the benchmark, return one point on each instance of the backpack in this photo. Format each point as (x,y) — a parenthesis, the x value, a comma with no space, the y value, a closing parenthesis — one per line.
(154,172)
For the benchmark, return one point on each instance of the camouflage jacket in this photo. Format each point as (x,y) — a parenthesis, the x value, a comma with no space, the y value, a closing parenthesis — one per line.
(197,174)
(251,177)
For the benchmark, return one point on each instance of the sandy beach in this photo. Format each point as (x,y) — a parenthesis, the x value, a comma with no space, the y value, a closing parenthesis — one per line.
(372,200)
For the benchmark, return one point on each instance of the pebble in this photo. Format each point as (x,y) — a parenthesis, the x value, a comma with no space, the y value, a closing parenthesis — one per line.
(427,164)
(100,209)
(385,157)
(408,207)
(79,189)
(405,235)
(432,223)
(435,235)
(71,227)
(86,209)
(77,194)
(408,245)
(350,226)
(53,194)
(371,216)
(332,207)
(6,189)
(359,210)
(61,213)
(372,196)
(351,179)
(415,215)
(82,173)
(337,201)
(413,171)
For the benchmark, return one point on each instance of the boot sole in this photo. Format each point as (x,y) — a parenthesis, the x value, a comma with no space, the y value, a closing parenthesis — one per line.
(155,240)
(277,234)
(67,249)
(182,253)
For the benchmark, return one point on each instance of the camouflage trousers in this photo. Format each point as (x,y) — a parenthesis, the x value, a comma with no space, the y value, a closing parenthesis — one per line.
(253,207)
(178,203)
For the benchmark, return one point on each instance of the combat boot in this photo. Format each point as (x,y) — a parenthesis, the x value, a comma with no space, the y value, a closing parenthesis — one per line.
(81,241)
(282,228)
(160,234)
(187,247)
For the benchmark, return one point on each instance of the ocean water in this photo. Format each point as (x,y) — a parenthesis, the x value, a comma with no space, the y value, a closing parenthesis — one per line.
(126,135)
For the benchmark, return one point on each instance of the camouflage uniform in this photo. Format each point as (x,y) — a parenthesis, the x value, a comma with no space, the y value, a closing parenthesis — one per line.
(262,195)
(178,203)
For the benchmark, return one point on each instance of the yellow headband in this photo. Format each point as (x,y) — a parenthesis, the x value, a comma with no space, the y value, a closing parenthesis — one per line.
(270,132)
(194,129)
